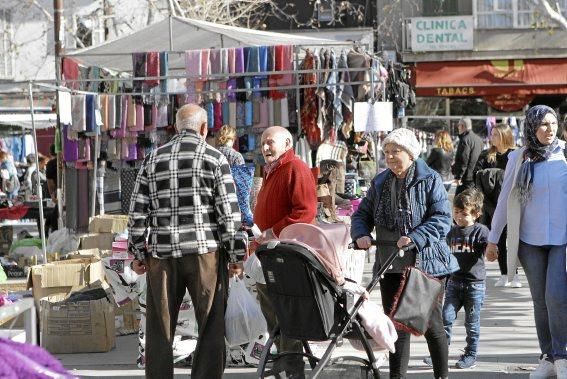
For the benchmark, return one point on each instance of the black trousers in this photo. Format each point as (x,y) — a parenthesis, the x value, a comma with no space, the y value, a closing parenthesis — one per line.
(435,335)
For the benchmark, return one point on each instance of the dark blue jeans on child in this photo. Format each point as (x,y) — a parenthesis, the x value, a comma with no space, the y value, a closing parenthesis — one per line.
(470,295)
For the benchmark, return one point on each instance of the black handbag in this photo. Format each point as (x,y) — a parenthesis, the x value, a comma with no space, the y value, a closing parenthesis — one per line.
(415,300)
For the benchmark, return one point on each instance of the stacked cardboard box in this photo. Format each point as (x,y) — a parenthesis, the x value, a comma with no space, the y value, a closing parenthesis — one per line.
(76,327)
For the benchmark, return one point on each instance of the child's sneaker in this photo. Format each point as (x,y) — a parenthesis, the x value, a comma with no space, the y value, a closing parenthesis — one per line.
(466,361)
(428,361)
(515,283)
(561,368)
(502,282)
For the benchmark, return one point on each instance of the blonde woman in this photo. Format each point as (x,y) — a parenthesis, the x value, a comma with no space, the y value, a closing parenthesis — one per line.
(225,143)
(489,174)
(441,157)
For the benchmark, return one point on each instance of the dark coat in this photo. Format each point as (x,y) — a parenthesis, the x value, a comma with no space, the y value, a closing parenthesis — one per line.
(441,161)
(469,149)
(431,218)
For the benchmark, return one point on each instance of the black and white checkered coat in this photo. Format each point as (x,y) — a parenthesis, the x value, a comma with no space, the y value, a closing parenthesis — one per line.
(184,199)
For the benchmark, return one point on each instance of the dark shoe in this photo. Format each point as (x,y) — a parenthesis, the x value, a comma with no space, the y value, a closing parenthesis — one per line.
(466,361)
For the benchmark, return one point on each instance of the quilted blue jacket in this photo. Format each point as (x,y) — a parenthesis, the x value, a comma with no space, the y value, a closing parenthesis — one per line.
(430,219)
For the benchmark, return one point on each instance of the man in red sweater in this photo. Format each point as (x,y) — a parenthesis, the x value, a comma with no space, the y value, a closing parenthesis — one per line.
(288,196)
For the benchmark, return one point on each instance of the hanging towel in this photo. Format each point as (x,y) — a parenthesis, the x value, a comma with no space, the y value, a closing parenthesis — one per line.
(284,112)
(271,112)
(111,116)
(264,114)
(90,117)
(139,70)
(232,114)
(65,115)
(104,111)
(253,59)
(225,113)
(94,73)
(78,113)
(193,64)
(152,68)
(70,71)
(263,59)
(163,71)
(239,59)
(230,85)
(139,124)
(218,115)
(70,147)
(112,151)
(117,111)
(162,117)
(251,142)
(248,114)
(271,59)
(240,114)
(154,117)
(224,61)
(209,107)
(255,112)
(147,115)
(277,112)
(231,55)
(132,152)
(216,62)
(131,113)
(84,150)
(124,148)
(205,64)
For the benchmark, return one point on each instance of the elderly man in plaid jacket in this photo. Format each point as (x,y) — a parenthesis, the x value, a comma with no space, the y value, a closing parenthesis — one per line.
(184,217)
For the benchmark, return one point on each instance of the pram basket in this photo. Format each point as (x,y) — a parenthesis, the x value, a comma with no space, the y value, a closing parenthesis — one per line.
(309,304)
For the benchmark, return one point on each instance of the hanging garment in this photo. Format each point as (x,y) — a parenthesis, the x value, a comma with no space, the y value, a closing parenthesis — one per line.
(70,71)
(308,112)
(284,109)
(230,86)
(253,59)
(360,61)
(64,111)
(224,61)
(277,112)
(232,114)
(193,64)
(103,99)
(111,112)
(255,112)
(127,180)
(303,150)
(264,114)
(248,114)
(78,113)
(131,113)
(344,90)
(216,63)
(70,147)
(231,55)
(90,117)
(205,64)
(163,71)
(283,61)
(239,60)
(139,70)
(240,114)
(209,107)
(263,60)
(152,68)
(217,105)
(139,125)
(225,113)
(271,118)
(84,150)
(117,111)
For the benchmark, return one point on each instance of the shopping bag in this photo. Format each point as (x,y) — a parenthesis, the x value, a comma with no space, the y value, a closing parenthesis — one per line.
(414,302)
(253,269)
(243,319)
(254,350)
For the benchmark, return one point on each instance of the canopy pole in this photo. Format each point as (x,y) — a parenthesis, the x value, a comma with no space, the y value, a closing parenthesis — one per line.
(95,175)
(170,33)
(39,191)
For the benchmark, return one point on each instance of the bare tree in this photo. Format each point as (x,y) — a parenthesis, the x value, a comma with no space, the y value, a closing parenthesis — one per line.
(551,12)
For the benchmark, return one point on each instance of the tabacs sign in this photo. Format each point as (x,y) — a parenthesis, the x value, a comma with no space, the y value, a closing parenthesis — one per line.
(442,33)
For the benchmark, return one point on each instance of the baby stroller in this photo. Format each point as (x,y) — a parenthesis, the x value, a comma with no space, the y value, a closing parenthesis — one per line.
(309,303)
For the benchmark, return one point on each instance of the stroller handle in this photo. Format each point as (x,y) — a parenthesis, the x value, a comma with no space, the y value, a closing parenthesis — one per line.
(374,242)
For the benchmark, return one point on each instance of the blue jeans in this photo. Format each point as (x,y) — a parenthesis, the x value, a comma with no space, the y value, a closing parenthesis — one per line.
(545,270)
(471,296)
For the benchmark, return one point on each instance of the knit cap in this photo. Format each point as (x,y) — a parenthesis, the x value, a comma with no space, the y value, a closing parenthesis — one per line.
(406,139)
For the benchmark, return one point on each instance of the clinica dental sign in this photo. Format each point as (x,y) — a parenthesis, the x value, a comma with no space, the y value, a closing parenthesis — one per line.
(442,33)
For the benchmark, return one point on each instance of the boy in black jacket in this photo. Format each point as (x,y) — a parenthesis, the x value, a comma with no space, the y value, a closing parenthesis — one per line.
(466,287)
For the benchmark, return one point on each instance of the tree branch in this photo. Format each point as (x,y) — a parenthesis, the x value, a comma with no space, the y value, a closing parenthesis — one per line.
(553,14)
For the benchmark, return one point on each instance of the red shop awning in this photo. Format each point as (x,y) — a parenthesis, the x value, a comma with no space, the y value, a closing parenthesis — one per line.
(505,84)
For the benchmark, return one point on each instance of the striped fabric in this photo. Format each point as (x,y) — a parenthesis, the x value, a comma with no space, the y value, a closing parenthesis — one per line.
(185,195)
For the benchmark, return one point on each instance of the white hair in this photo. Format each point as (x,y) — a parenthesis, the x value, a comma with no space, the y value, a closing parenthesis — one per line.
(184,119)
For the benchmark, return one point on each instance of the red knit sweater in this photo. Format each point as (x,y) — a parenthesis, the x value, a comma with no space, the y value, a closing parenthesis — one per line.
(287,196)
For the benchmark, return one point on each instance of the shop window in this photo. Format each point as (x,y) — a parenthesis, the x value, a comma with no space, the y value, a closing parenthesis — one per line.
(7,56)
(506,14)
(432,8)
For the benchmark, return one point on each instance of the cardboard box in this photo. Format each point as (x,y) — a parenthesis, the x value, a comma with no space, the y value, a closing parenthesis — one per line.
(102,241)
(76,327)
(127,318)
(63,277)
(108,224)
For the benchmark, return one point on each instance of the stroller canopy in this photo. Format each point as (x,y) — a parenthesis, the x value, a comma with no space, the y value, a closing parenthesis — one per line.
(323,241)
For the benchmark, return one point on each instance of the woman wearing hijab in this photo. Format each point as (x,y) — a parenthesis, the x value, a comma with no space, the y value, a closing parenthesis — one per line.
(408,203)
(535,186)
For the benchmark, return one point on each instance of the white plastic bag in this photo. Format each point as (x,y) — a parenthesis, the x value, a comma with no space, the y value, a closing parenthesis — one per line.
(61,241)
(253,269)
(243,319)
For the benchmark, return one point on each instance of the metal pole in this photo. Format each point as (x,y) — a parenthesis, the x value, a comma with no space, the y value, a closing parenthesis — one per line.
(170,33)
(39,192)
(95,175)
(58,14)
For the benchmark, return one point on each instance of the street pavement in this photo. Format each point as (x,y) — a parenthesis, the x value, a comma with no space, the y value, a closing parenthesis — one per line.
(508,343)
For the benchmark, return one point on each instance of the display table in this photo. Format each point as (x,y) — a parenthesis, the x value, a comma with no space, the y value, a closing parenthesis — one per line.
(27,307)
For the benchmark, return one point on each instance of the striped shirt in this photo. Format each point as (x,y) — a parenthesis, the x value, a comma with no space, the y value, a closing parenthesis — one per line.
(184,201)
